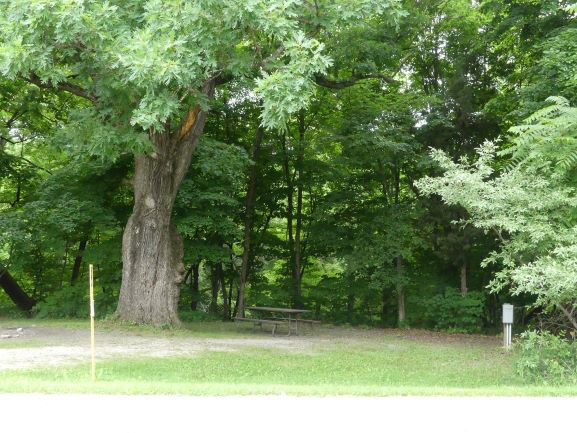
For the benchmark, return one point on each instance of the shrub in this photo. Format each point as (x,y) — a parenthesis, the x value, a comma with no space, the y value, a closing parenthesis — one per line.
(72,301)
(198,316)
(547,359)
(454,312)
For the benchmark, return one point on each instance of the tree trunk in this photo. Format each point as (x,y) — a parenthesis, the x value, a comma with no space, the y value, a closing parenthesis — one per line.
(464,288)
(235,312)
(152,250)
(400,291)
(289,217)
(78,262)
(230,288)
(297,249)
(215,282)
(297,277)
(14,291)
(225,306)
(248,221)
(350,307)
(194,286)
(384,299)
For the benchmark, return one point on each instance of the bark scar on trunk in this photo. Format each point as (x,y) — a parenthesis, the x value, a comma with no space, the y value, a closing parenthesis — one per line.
(188,123)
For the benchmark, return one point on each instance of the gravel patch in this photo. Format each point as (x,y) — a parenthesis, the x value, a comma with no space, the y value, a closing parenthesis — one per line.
(61,346)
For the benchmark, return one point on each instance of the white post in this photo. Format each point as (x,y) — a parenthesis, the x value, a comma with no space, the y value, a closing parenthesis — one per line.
(92,343)
(507,325)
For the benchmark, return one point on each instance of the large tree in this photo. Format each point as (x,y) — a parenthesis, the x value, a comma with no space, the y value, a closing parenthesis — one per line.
(147,71)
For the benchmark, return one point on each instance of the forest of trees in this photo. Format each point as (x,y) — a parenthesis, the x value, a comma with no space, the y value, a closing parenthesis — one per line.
(379,162)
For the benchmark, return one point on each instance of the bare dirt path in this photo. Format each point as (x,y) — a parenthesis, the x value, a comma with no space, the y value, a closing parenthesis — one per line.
(48,346)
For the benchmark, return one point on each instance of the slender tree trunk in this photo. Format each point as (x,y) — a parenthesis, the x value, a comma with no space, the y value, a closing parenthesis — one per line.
(230,289)
(384,299)
(64,265)
(235,312)
(78,262)
(464,288)
(225,305)
(215,280)
(350,307)
(14,291)
(299,216)
(400,291)
(248,221)
(297,276)
(289,218)
(194,286)
(152,250)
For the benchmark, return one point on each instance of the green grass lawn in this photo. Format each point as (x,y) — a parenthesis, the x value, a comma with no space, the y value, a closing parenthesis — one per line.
(369,364)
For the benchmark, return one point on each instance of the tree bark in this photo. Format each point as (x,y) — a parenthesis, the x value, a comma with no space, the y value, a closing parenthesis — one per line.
(78,262)
(152,249)
(248,221)
(400,291)
(14,291)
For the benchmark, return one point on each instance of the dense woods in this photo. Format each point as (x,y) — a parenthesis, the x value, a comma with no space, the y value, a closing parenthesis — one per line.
(388,163)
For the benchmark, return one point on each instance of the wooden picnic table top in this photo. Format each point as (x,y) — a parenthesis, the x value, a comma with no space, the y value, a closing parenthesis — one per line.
(277,310)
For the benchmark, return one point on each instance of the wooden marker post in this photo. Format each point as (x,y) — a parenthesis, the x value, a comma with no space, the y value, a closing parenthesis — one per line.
(93,349)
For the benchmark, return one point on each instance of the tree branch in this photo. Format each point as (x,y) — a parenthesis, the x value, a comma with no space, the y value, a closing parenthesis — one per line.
(34,164)
(63,85)
(342,84)
(568,315)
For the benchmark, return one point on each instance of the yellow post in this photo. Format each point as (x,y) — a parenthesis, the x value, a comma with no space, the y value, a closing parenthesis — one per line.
(91,278)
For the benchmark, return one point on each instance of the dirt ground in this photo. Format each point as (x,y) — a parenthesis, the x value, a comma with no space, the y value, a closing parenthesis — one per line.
(30,346)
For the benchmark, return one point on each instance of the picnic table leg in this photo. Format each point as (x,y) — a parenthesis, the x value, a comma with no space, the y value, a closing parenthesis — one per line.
(273,329)
(297,323)
(289,325)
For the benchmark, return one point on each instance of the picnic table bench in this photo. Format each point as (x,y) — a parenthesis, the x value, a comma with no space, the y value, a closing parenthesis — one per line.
(288,316)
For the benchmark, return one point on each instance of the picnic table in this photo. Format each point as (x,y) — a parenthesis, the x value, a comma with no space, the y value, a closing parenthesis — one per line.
(277,316)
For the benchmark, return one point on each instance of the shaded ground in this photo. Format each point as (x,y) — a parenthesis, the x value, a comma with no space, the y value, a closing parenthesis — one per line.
(24,345)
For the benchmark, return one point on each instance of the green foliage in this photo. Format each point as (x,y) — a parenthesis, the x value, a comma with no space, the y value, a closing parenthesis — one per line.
(139,59)
(547,359)
(530,207)
(451,311)
(199,316)
(73,302)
